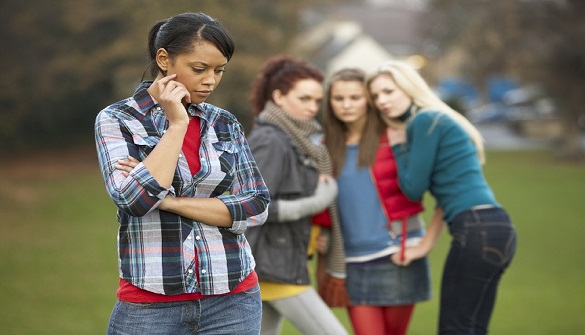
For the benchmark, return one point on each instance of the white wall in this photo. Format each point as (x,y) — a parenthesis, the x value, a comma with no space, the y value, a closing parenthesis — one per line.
(363,53)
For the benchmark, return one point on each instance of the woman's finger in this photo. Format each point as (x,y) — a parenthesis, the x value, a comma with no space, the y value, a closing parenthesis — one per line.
(167,79)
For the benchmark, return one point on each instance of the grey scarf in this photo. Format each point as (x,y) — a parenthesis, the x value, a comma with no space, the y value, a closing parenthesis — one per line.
(306,135)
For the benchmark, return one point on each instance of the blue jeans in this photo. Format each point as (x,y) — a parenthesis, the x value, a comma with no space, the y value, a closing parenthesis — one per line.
(239,313)
(484,242)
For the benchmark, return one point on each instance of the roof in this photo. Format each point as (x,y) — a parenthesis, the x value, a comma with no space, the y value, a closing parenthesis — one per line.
(396,28)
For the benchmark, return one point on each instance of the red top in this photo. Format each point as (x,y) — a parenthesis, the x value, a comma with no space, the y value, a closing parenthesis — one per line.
(130,293)
(395,204)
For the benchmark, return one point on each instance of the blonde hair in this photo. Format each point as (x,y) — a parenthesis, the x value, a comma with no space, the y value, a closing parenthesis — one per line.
(411,82)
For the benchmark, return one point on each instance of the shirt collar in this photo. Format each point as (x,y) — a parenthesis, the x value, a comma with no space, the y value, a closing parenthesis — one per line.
(194,110)
(143,99)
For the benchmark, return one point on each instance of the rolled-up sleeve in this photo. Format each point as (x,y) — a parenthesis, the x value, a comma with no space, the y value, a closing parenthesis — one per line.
(249,197)
(138,193)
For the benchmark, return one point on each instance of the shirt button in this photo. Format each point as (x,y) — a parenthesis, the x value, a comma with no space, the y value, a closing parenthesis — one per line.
(203,271)
(190,270)
(197,237)
(188,237)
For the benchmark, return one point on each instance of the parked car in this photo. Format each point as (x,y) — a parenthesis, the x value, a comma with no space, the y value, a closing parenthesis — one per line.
(524,103)
(491,112)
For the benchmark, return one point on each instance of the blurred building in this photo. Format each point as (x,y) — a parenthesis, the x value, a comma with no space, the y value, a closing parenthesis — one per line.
(364,35)
(337,44)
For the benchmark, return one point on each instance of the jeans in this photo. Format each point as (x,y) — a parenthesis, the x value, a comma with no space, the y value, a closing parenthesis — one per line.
(306,311)
(239,313)
(484,242)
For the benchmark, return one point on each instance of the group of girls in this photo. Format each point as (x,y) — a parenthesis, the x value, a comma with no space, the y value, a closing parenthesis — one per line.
(385,141)
(216,228)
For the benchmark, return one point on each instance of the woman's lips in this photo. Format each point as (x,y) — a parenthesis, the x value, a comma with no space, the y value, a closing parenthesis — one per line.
(203,93)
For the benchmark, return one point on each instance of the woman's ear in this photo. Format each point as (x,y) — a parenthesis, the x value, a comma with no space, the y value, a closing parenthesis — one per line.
(162,59)
(277,97)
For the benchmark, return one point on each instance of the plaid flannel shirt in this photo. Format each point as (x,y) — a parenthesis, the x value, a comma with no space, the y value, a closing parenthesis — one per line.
(163,252)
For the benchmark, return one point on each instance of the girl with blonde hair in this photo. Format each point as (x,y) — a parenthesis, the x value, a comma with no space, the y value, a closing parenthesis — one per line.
(438,150)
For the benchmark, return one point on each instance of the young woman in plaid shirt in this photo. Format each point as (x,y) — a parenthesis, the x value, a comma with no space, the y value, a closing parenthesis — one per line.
(187,187)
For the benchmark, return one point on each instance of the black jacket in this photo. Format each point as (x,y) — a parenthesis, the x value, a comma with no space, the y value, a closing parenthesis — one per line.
(280,248)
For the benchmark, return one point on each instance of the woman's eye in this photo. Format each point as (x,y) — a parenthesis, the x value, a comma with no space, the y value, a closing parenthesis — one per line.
(219,71)
(198,70)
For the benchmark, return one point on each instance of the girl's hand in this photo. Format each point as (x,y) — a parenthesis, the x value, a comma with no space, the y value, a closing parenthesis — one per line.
(171,94)
(167,203)
(323,243)
(325,178)
(126,165)
(410,254)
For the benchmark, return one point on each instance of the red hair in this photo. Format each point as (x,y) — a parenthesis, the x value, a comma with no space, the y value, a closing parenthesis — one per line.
(279,73)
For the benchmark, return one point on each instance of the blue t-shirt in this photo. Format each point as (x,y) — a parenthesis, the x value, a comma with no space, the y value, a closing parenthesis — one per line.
(363,223)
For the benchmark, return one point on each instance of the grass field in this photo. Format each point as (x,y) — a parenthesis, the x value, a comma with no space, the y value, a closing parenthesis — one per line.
(58,271)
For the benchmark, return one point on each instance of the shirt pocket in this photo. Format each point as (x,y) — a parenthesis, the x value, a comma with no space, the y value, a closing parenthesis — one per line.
(223,166)
(144,144)
(226,153)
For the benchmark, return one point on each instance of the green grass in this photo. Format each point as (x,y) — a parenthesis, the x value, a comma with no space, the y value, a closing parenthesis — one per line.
(58,268)
(543,291)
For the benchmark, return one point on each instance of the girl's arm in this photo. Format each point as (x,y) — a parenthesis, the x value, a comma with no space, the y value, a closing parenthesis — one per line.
(118,136)
(162,161)
(428,241)
(415,158)
(211,211)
